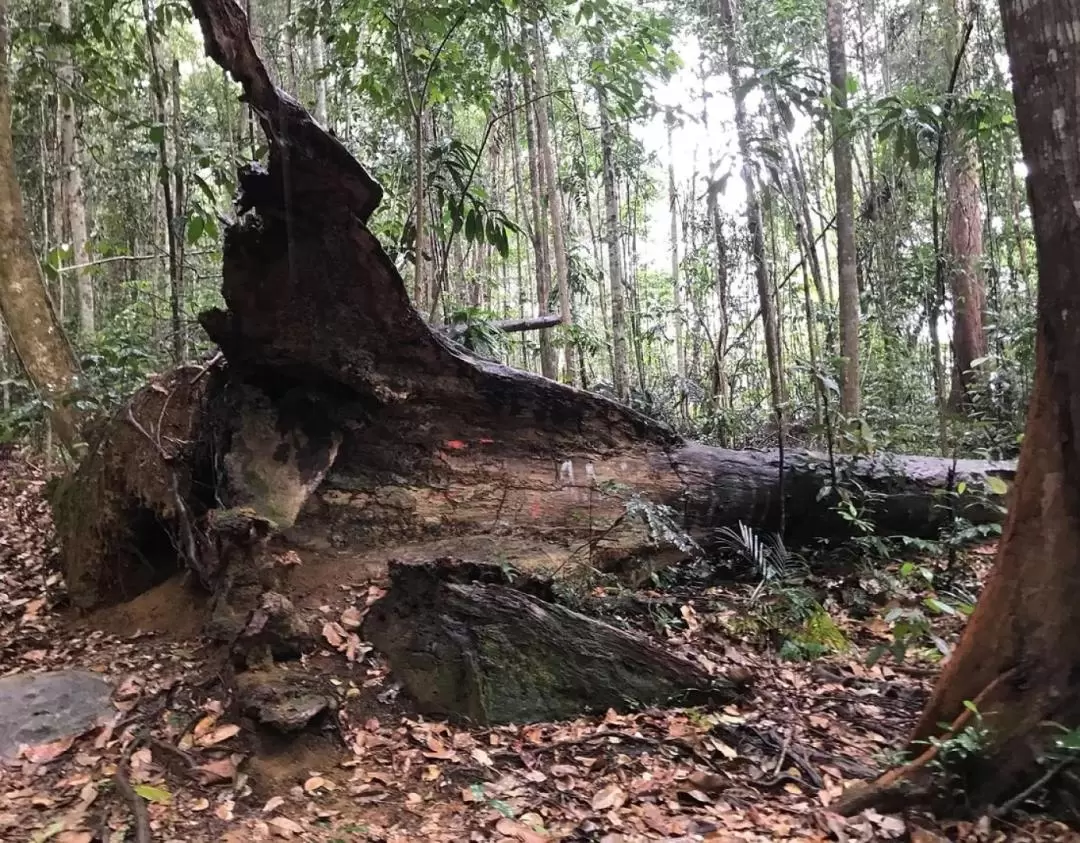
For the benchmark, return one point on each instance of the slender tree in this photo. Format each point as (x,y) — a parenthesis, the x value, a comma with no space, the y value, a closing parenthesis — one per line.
(845,211)
(620,358)
(754,218)
(72,182)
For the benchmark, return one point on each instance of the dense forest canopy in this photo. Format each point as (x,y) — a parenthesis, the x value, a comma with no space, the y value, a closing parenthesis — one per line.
(589,160)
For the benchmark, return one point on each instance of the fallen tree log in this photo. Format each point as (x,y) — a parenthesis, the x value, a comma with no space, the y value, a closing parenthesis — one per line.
(467,644)
(508,326)
(343,420)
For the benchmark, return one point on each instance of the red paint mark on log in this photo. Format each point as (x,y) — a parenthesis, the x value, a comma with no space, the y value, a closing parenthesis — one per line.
(487,441)
(456,445)
(534,509)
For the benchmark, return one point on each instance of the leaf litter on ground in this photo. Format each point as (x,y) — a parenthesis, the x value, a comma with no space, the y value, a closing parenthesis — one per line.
(767,768)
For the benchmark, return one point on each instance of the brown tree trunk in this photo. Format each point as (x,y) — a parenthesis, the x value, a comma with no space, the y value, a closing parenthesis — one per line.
(966,283)
(1019,658)
(620,360)
(845,213)
(24,302)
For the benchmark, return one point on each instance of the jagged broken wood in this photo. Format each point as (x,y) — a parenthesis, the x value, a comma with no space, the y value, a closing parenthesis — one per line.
(343,420)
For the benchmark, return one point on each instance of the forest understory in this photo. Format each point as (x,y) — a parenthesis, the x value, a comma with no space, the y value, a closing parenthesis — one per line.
(815,719)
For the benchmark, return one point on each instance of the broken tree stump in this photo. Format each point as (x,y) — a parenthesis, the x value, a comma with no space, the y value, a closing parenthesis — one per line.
(486,652)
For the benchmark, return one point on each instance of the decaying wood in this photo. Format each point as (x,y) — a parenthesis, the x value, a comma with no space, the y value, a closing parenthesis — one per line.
(384,429)
(467,644)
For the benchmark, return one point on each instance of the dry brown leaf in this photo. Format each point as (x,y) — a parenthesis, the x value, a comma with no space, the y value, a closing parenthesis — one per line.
(219,735)
(351,618)
(220,770)
(608,798)
(316,783)
(708,782)
(519,831)
(482,758)
(431,773)
(284,827)
(43,753)
(334,634)
(272,804)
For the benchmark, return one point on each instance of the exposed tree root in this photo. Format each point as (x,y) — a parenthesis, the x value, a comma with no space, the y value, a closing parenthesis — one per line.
(912,782)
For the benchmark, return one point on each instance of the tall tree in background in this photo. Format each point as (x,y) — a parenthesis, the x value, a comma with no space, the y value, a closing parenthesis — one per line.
(754,219)
(24,302)
(72,182)
(964,234)
(845,211)
(620,358)
(1017,662)
(553,196)
(676,286)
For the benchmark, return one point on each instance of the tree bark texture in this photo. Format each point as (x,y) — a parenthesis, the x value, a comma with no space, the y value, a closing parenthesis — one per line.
(468,645)
(1019,657)
(964,236)
(35,331)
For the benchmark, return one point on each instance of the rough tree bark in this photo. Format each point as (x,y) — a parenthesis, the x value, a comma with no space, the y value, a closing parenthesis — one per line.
(35,331)
(343,420)
(1018,659)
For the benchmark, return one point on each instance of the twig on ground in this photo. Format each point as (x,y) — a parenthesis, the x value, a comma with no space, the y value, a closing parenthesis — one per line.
(1010,805)
(137,803)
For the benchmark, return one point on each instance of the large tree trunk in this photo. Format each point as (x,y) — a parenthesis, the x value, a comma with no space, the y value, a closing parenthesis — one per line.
(35,331)
(1019,657)
(344,420)
(845,213)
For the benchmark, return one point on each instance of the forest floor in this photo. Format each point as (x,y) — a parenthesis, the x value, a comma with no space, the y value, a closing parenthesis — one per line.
(765,769)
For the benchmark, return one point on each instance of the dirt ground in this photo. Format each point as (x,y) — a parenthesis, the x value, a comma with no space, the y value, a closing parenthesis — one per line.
(767,768)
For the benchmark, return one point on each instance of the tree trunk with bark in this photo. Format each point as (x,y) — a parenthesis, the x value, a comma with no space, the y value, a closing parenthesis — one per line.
(71,166)
(1019,658)
(35,331)
(845,212)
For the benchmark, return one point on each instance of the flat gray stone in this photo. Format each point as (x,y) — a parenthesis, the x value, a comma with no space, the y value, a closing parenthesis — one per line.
(37,708)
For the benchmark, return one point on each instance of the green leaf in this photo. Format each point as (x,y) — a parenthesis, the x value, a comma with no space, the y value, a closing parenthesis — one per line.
(996,485)
(195,228)
(153,794)
(157,133)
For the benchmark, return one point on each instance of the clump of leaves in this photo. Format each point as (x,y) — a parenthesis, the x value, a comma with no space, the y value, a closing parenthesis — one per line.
(781,604)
